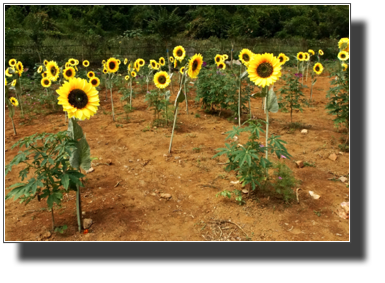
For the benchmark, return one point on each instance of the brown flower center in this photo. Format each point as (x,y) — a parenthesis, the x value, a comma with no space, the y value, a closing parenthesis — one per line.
(53,71)
(78,98)
(179,52)
(111,65)
(162,79)
(317,68)
(246,57)
(194,65)
(265,70)
(69,73)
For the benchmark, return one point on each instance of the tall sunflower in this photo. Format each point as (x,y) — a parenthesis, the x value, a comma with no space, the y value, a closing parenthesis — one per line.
(264,69)
(52,71)
(12,62)
(343,55)
(94,81)
(69,73)
(218,58)
(245,56)
(300,56)
(318,68)
(45,82)
(282,58)
(162,79)
(78,98)
(14,101)
(112,65)
(86,63)
(343,44)
(179,53)
(162,62)
(19,68)
(195,65)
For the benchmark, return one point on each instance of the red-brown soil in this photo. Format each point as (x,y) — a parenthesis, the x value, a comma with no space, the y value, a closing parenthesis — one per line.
(123,199)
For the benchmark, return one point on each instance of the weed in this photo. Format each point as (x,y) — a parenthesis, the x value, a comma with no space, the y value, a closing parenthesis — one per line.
(146,129)
(318,213)
(197,115)
(308,164)
(196,149)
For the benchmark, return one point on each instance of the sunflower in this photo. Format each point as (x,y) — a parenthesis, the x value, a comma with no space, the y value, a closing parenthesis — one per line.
(287,58)
(125,61)
(264,69)
(40,69)
(129,67)
(311,51)
(137,66)
(133,74)
(221,66)
(245,56)
(20,68)
(5,79)
(162,61)
(72,61)
(90,74)
(112,65)
(119,62)
(45,62)
(94,81)
(300,56)
(225,56)
(320,52)
(9,71)
(12,62)
(127,78)
(195,65)
(343,44)
(182,70)
(179,53)
(67,65)
(78,98)
(282,58)
(175,63)
(171,59)
(158,66)
(14,101)
(343,55)
(69,73)
(52,71)
(86,63)
(141,62)
(318,68)
(45,74)
(162,79)
(105,71)
(344,67)
(103,62)
(76,62)
(218,58)
(13,82)
(46,82)
(307,56)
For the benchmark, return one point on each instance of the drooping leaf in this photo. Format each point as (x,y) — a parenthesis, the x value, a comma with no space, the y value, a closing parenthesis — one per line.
(81,157)
(272,101)
(74,130)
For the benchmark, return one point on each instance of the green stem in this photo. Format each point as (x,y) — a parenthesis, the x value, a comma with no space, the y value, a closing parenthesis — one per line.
(185,92)
(131,92)
(106,87)
(112,102)
(173,127)
(78,208)
(267,120)
(239,97)
(21,104)
(13,125)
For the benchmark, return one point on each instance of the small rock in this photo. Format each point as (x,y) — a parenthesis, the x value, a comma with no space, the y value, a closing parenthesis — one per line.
(177,157)
(83,213)
(340,235)
(343,179)
(222,133)
(299,163)
(304,131)
(109,162)
(245,191)
(138,160)
(166,196)
(46,235)
(341,153)
(130,160)
(333,157)
(87,222)
(344,212)
(314,195)
(90,170)
(234,182)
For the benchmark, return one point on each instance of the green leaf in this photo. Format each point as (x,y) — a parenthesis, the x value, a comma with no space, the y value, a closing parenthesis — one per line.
(81,157)
(74,130)
(65,180)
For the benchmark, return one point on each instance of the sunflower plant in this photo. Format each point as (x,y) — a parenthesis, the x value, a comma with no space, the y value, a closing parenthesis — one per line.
(11,102)
(47,158)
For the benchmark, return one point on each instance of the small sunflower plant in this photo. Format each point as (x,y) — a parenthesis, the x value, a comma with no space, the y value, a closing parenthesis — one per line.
(11,102)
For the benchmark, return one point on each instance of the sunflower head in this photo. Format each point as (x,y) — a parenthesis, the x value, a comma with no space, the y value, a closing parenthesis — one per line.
(5,79)
(343,55)
(218,58)
(221,65)
(320,52)
(45,82)
(311,51)
(306,56)
(19,67)
(14,101)
(119,62)
(52,71)
(287,58)
(225,56)
(195,65)
(72,61)
(79,98)
(162,79)
(318,68)
(344,66)
(90,74)
(133,74)
(86,63)
(141,62)
(40,69)
(9,71)
(105,71)
(103,62)
(162,61)
(12,62)
(112,65)
(69,73)
(171,59)
(343,44)
(264,69)
(125,61)
(13,82)
(182,70)
(179,53)
(45,62)
(282,58)
(127,78)
(300,56)
(175,63)
(95,81)
(45,74)
(245,56)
